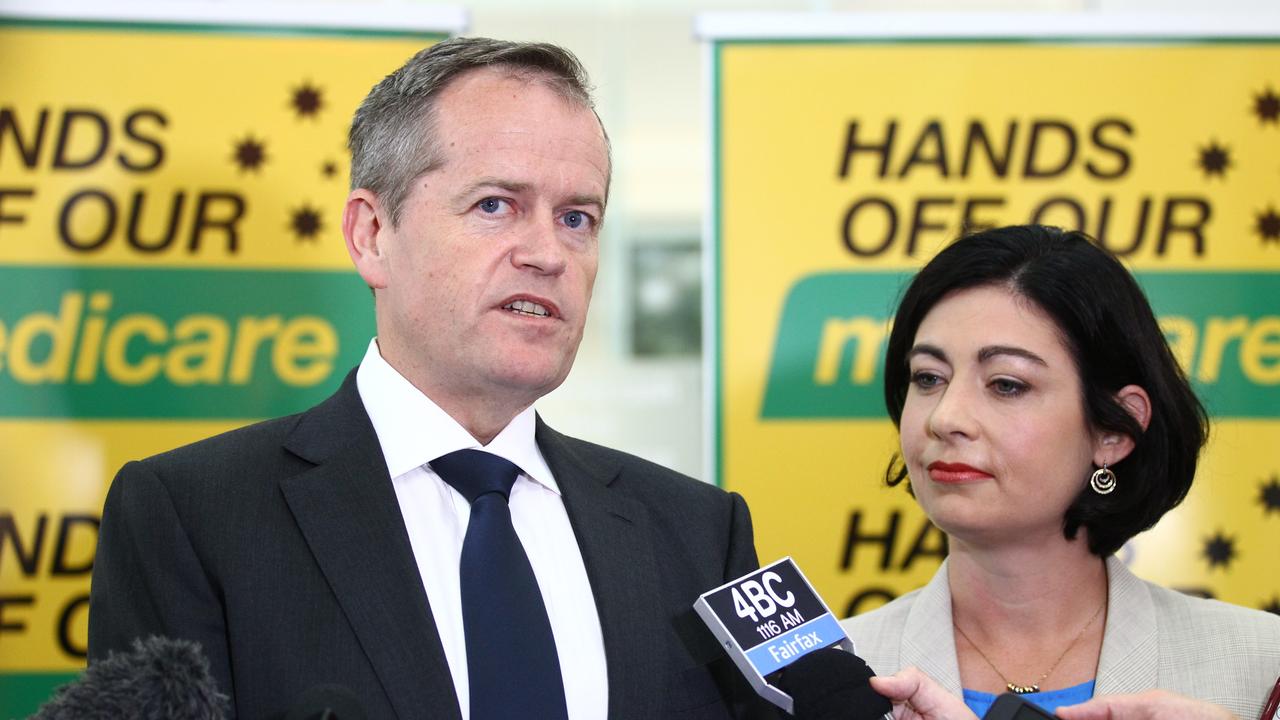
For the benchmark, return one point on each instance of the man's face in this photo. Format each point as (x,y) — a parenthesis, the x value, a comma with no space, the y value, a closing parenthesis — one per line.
(483,288)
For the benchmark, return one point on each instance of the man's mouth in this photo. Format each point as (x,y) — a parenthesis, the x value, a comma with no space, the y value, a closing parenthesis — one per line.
(527,307)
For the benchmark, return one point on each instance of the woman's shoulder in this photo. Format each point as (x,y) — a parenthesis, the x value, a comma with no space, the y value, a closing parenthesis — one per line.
(877,634)
(908,629)
(890,615)
(1222,653)
(1214,620)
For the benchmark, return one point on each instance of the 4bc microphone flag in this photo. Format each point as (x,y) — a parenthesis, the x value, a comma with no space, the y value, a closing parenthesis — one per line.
(768,620)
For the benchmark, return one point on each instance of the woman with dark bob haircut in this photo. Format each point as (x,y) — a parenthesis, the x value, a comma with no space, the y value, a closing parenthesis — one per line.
(1043,422)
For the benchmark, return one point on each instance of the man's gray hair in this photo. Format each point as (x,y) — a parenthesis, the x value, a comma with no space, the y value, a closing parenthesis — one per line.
(392,138)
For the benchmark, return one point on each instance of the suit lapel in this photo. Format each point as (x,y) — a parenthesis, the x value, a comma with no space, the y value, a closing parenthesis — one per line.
(350,518)
(1130,649)
(613,535)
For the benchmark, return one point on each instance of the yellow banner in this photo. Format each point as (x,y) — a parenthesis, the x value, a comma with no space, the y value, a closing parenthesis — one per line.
(49,525)
(841,166)
(180,147)
(173,266)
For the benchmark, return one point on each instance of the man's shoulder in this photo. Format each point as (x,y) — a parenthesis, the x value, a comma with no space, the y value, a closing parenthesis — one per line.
(230,471)
(267,445)
(635,470)
(240,446)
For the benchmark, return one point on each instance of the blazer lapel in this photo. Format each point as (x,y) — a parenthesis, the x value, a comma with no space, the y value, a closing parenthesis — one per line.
(350,518)
(613,534)
(1130,651)
(928,639)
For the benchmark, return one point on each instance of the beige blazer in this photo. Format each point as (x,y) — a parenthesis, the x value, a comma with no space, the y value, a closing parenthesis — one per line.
(1154,638)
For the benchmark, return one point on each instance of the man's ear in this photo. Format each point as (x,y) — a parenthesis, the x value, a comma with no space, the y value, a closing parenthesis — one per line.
(1112,447)
(365,230)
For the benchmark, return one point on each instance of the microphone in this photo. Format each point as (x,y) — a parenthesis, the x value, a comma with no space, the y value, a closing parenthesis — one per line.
(158,678)
(784,639)
(327,702)
(832,684)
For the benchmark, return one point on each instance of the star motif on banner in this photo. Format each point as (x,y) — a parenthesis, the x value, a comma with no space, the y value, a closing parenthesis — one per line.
(1269,495)
(1272,607)
(305,223)
(1215,159)
(329,169)
(1266,105)
(1268,226)
(307,100)
(1220,550)
(250,154)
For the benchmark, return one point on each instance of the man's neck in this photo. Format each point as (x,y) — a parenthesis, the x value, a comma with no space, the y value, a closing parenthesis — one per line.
(483,414)
(483,421)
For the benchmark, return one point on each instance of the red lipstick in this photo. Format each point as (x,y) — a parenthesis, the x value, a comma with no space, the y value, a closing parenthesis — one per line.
(942,472)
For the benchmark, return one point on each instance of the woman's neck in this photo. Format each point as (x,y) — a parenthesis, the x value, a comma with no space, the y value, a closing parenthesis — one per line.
(1024,606)
(1048,586)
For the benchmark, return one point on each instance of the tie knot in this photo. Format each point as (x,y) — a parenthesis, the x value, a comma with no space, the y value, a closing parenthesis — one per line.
(475,472)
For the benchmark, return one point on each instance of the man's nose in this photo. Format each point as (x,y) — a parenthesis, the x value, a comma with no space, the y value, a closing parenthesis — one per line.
(540,247)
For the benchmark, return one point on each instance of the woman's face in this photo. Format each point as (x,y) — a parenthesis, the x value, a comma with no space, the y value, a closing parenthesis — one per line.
(993,429)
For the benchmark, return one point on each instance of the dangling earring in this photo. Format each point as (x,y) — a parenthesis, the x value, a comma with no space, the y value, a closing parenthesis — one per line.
(1103,480)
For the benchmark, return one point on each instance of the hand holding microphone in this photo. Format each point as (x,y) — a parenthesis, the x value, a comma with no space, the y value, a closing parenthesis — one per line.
(831,684)
(916,696)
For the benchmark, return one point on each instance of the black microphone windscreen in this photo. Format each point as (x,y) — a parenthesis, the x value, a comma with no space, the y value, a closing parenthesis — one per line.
(159,679)
(831,684)
(327,702)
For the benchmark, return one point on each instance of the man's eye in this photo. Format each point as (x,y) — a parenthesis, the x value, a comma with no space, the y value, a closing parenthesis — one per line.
(575,219)
(491,205)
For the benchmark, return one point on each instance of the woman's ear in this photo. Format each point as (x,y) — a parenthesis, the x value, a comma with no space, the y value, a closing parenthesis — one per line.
(1111,447)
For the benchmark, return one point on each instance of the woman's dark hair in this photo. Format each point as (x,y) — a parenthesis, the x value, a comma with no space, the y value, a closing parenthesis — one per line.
(1108,328)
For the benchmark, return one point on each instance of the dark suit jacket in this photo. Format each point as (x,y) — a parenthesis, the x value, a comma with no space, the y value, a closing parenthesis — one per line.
(280,548)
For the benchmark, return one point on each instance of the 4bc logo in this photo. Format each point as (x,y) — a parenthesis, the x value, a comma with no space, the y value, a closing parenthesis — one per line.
(758,601)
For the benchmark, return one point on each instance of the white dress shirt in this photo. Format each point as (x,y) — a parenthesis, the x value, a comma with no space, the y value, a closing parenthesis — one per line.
(413,431)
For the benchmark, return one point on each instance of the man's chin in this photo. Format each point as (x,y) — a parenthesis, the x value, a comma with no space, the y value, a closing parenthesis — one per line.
(529,380)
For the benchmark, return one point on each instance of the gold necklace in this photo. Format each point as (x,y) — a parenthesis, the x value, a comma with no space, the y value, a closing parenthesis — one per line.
(1035,686)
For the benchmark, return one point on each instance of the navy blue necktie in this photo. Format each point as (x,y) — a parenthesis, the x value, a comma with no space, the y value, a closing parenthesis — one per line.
(512,665)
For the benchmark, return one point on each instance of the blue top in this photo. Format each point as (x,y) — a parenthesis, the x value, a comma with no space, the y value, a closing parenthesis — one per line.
(1049,700)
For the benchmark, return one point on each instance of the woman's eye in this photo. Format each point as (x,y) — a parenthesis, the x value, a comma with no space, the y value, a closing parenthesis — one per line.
(575,219)
(1007,387)
(925,380)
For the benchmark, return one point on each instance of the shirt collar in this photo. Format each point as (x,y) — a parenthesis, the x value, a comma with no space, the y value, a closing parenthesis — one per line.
(413,430)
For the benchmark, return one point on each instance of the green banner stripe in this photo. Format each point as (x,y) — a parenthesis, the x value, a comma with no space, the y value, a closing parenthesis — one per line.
(21,694)
(828,357)
(81,342)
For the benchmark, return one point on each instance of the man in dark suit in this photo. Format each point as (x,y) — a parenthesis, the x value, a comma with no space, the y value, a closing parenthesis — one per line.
(338,546)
